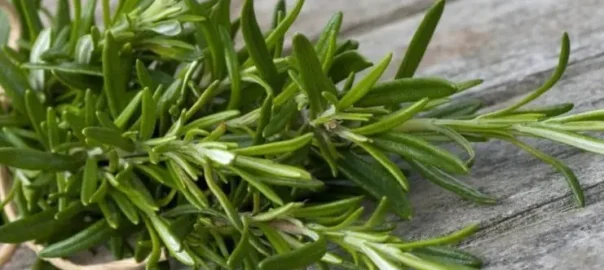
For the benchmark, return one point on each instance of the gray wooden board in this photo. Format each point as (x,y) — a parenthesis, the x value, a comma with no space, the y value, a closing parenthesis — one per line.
(499,41)
(548,236)
(359,16)
(513,45)
(525,187)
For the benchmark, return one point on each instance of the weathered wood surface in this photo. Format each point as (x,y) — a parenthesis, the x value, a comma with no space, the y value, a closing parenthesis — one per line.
(359,16)
(513,45)
(535,220)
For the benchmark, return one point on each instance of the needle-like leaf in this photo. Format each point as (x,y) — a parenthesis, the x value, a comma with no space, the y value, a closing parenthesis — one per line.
(256,45)
(363,87)
(411,147)
(448,182)
(298,258)
(407,90)
(392,120)
(562,63)
(377,181)
(38,160)
(115,88)
(419,42)
(311,74)
(569,175)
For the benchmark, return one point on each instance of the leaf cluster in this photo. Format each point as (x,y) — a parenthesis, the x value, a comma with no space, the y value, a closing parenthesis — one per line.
(159,137)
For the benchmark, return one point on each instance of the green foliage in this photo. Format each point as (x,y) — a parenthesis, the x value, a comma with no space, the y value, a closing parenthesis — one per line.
(159,130)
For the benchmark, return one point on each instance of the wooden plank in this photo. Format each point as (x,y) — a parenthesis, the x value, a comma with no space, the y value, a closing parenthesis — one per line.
(485,39)
(359,16)
(523,185)
(499,41)
(513,60)
(552,236)
(22,259)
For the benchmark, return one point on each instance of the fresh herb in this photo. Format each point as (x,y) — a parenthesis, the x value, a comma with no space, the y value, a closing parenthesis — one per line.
(158,129)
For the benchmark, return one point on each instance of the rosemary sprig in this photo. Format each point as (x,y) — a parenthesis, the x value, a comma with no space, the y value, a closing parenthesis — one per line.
(157,129)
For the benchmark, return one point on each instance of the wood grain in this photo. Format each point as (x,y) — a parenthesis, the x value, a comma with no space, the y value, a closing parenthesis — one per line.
(359,16)
(517,179)
(550,236)
(499,41)
(513,45)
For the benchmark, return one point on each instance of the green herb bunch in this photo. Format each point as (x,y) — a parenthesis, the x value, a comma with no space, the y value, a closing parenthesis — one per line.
(160,138)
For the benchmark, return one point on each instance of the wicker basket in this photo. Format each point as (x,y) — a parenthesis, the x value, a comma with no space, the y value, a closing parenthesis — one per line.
(7,250)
